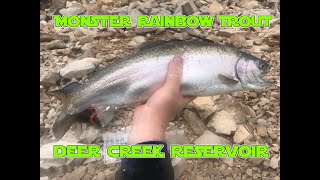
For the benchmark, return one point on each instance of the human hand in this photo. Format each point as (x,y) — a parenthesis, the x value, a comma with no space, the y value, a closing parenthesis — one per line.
(151,119)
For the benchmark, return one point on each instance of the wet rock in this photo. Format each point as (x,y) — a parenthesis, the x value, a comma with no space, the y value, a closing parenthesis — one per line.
(89,135)
(86,39)
(49,78)
(189,8)
(56,44)
(77,69)
(73,10)
(223,122)
(137,41)
(215,8)
(179,166)
(194,121)
(77,174)
(241,134)
(211,139)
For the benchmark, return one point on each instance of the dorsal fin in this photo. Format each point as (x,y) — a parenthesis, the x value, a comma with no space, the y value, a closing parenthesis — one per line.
(147,45)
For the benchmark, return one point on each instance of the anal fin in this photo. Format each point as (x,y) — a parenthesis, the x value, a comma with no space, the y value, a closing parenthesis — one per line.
(105,113)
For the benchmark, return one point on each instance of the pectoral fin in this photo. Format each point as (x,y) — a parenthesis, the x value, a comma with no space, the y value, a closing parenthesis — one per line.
(227,81)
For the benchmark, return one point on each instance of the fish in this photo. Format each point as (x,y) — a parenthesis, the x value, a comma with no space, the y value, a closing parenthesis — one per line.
(208,69)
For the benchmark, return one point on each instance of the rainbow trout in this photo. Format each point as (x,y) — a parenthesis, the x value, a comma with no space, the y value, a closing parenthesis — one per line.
(208,69)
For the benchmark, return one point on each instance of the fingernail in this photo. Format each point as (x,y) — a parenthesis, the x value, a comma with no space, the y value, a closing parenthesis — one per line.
(177,60)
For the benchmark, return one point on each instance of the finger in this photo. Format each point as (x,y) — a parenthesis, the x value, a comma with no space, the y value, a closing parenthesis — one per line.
(174,74)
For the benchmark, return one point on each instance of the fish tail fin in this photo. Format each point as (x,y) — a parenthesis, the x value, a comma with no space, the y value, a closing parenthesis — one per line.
(64,94)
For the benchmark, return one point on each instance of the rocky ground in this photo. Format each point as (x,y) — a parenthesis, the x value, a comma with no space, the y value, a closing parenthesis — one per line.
(74,54)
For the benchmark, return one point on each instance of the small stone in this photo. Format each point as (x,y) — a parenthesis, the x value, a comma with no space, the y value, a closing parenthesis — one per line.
(229,32)
(94,61)
(223,122)
(203,101)
(86,39)
(241,134)
(258,49)
(87,177)
(263,122)
(101,176)
(189,8)
(137,41)
(143,31)
(249,4)
(204,10)
(249,172)
(73,10)
(238,40)
(275,95)
(274,162)
(228,161)
(77,174)
(92,170)
(77,69)
(194,121)
(56,44)
(211,139)
(252,95)
(273,32)
(110,175)
(58,4)
(181,36)
(262,131)
(215,8)
(179,166)
(256,39)
(249,43)
(238,94)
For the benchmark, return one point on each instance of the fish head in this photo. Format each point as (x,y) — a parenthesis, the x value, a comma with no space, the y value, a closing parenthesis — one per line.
(250,71)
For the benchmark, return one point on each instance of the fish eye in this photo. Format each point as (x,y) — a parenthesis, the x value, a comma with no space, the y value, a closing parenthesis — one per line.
(262,66)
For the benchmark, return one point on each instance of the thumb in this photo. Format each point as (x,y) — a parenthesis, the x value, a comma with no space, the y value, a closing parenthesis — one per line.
(174,74)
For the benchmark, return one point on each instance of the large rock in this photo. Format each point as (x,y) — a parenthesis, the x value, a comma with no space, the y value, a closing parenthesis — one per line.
(73,10)
(205,106)
(210,138)
(179,166)
(49,78)
(77,69)
(194,121)
(52,167)
(223,122)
